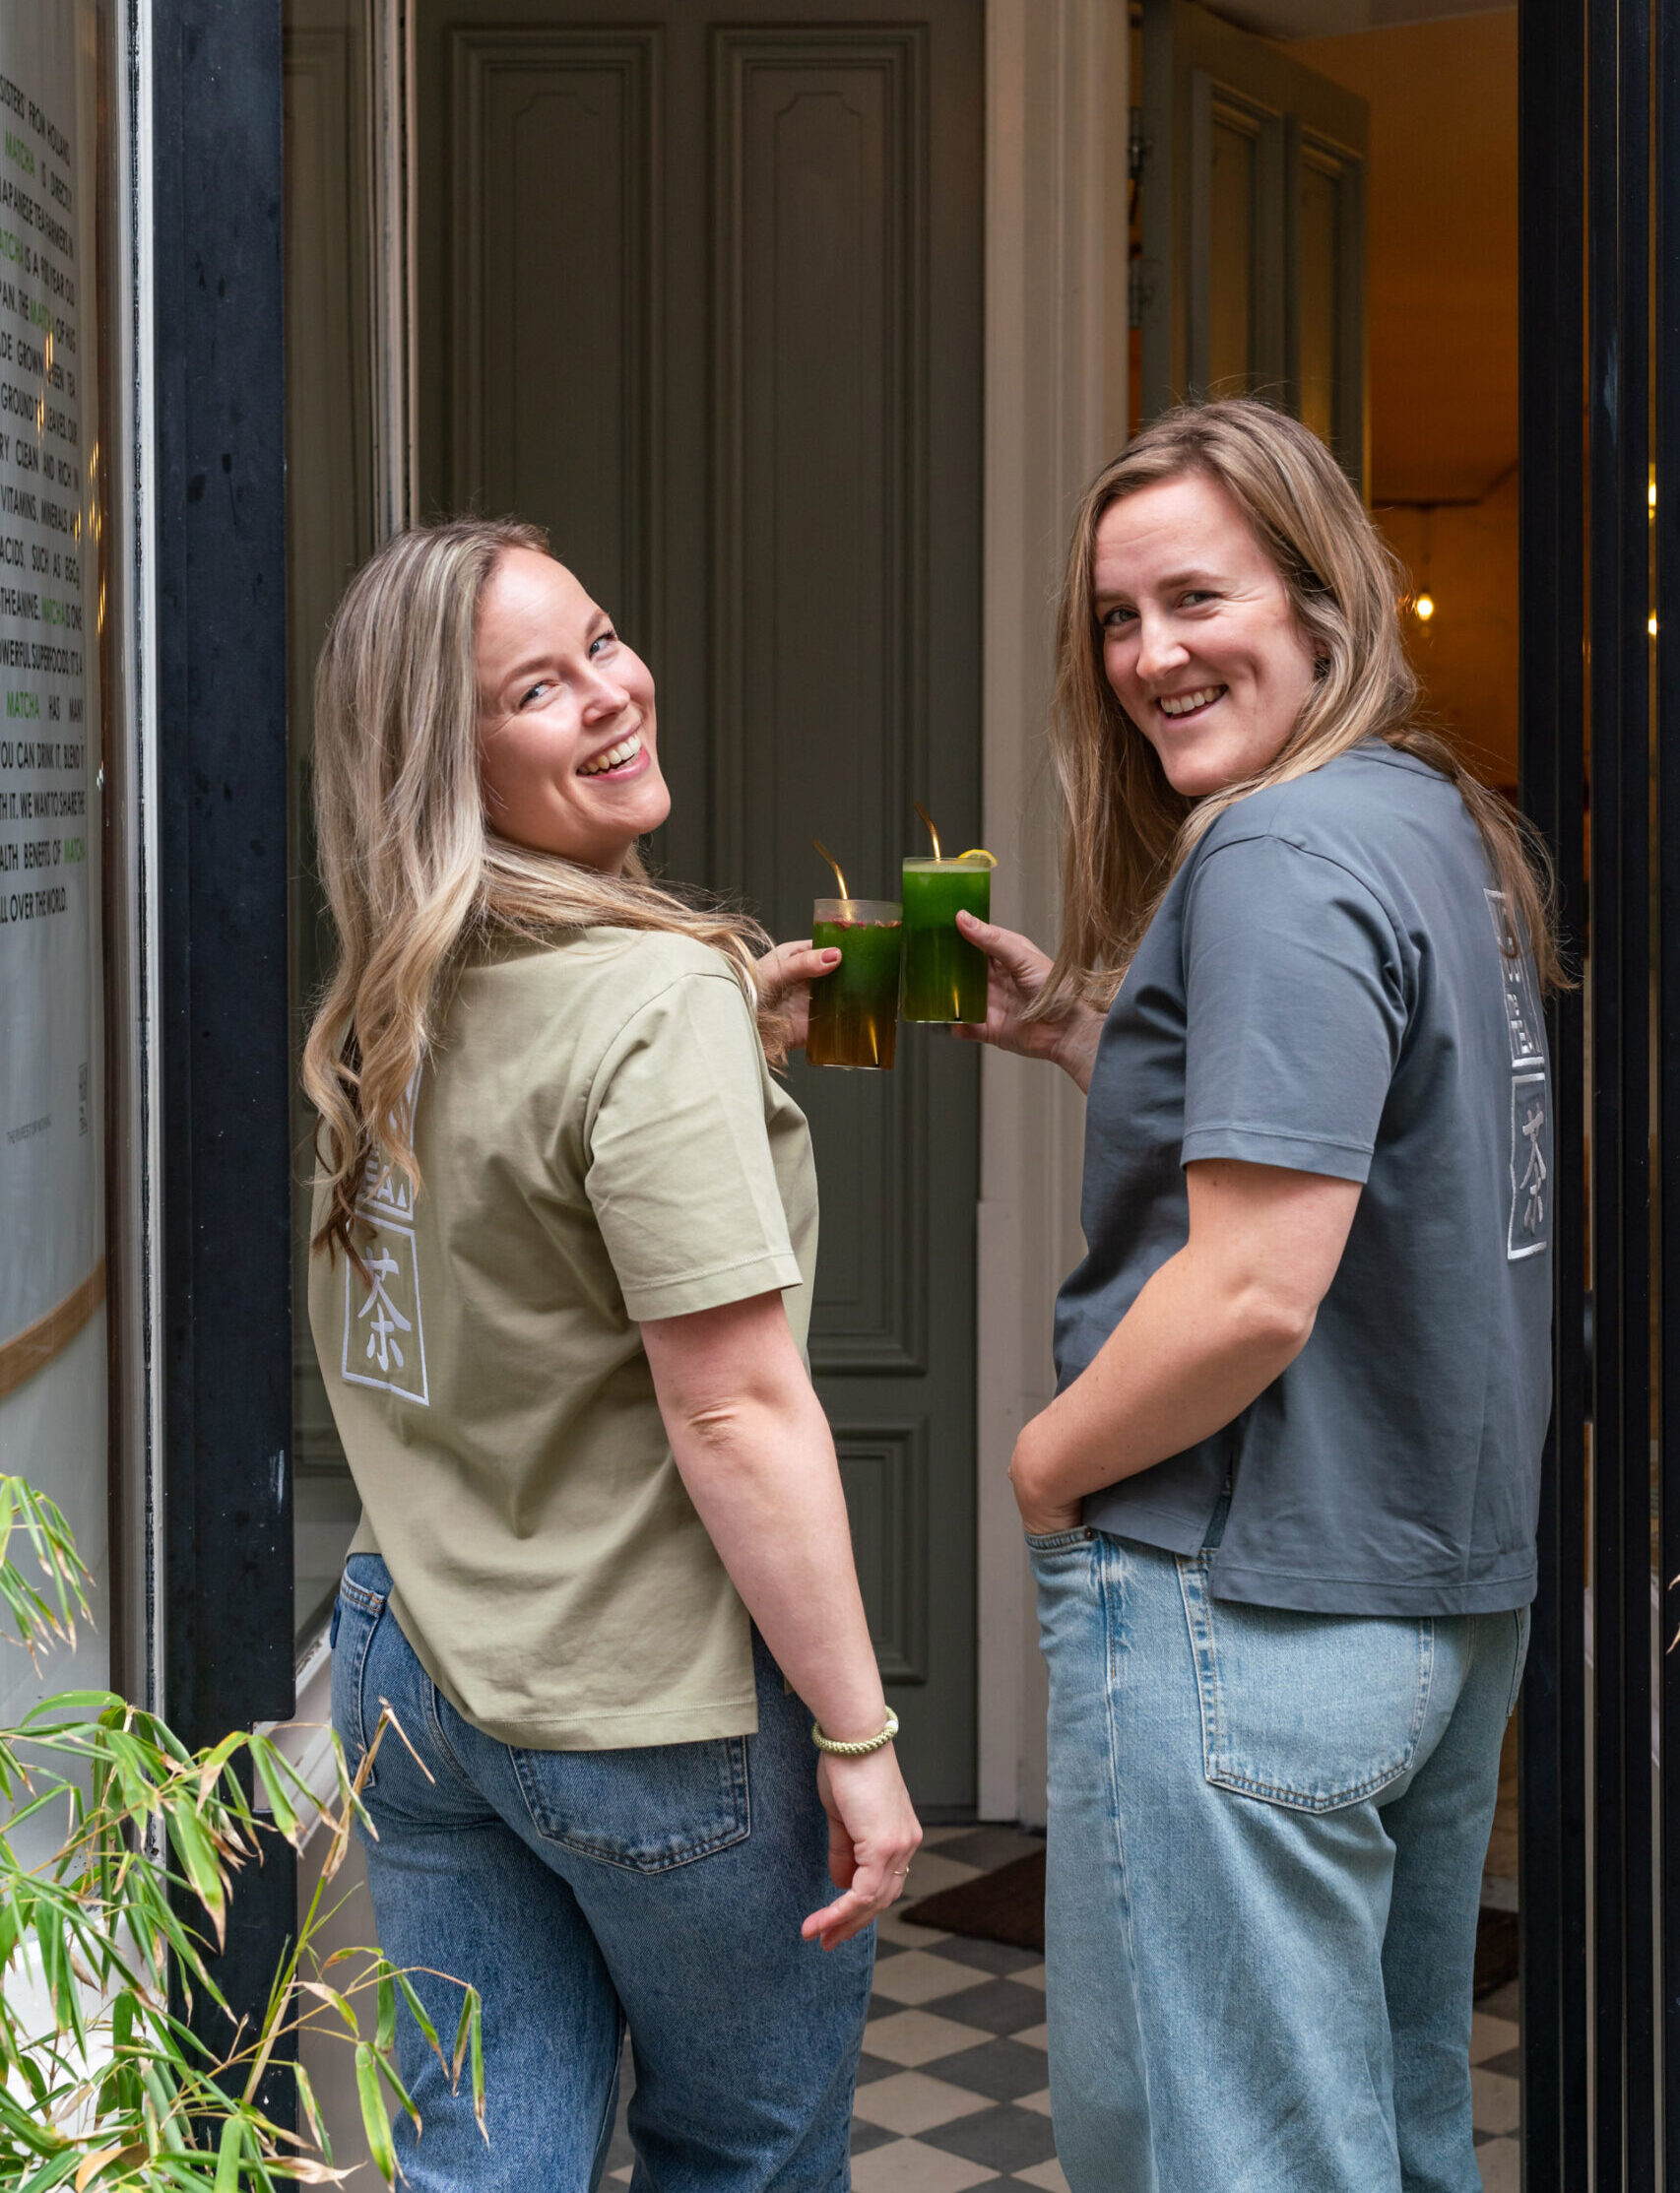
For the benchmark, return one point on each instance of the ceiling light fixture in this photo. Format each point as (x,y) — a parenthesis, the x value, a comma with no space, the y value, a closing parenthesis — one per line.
(1423,600)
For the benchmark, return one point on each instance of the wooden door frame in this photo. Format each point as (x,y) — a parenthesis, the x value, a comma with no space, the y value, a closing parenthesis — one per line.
(1056,348)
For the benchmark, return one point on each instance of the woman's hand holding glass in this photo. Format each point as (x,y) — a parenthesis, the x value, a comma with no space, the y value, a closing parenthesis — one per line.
(784,977)
(1017,972)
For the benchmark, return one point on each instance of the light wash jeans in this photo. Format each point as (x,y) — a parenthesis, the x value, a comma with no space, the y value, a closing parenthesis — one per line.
(576,1890)
(1267,1835)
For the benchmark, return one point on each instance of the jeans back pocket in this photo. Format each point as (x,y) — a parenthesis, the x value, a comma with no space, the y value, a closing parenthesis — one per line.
(1308,1710)
(646,1809)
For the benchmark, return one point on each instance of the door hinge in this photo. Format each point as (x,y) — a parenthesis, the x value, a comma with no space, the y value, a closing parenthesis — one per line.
(1136,145)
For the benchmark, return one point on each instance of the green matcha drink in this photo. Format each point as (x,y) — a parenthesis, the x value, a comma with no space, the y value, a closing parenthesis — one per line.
(854,1012)
(944,975)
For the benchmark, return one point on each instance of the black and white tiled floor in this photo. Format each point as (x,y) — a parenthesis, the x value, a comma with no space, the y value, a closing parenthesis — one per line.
(953,2088)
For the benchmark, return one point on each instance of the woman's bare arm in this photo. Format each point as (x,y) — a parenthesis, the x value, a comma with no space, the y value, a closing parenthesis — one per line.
(757,1457)
(1207,1335)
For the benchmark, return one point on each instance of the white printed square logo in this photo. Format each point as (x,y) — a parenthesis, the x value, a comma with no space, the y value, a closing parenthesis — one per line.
(1523,1021)
(1530,1229)
(384,1337)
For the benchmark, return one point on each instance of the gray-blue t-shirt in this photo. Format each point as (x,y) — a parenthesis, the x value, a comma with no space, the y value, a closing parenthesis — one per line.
(1323,988)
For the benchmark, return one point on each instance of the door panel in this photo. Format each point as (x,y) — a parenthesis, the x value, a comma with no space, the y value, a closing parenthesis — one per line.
(702,294)
(1326,256)
(817,450)
(1253,227)
(1235,192)
(555,316)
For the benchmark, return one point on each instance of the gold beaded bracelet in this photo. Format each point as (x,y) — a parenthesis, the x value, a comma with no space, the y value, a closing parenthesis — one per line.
(861,1749)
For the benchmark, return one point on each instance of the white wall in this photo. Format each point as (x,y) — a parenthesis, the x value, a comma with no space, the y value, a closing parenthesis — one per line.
(1055,356)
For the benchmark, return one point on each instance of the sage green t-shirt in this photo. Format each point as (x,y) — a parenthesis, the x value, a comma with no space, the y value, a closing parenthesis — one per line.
(600,1142)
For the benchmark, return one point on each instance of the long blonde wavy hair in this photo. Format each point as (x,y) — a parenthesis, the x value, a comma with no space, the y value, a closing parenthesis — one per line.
(1127,831)
(413,870)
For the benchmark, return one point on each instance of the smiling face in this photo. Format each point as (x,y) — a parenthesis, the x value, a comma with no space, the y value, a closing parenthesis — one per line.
(568,745)
(1201,641)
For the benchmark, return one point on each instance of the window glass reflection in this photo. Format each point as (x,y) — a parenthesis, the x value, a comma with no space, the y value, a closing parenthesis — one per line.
(329,530)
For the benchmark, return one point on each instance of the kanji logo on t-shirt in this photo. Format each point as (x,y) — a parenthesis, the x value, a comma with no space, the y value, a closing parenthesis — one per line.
(1531,1226)
(1522,1007)
(384,1337)
(1528,1229)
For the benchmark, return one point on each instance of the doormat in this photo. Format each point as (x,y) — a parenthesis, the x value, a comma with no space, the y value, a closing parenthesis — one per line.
(1002,1906)
(1007,1905)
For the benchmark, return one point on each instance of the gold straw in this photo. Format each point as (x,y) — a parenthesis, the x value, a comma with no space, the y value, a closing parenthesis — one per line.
(932,832)
(834,865)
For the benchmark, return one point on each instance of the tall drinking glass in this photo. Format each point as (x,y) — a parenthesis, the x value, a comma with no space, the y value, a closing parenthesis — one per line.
(854,1012)
(944,975)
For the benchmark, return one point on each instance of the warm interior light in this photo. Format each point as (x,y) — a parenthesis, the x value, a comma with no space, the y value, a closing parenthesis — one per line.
(1651,626)
(1423,609)
(1651,494)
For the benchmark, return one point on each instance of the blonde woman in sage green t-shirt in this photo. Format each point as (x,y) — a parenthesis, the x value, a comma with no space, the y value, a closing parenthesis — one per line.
(563,1252)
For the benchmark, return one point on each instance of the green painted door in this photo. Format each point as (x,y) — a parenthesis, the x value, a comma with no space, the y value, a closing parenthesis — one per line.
(701,293)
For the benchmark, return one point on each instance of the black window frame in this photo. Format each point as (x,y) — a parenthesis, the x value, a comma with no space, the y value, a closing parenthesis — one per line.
(216,148)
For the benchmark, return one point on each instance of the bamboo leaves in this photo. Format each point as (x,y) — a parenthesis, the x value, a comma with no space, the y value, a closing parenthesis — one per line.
(103,2083)
(42,1614)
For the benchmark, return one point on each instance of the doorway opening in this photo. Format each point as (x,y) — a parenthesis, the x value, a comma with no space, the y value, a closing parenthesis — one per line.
(1324,212)
(1339,231)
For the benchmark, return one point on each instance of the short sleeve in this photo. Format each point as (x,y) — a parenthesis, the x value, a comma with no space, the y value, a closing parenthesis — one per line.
(1295,1010)
(678,1169)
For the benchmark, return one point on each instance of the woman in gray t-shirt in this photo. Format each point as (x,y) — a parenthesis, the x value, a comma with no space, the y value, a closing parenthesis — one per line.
(1282,1508)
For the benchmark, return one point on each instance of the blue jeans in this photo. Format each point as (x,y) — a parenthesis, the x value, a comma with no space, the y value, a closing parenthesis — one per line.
(1267,1835)
(579,1890)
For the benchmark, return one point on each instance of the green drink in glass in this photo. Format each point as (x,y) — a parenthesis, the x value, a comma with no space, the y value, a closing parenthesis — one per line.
(944,975)
(854,1012)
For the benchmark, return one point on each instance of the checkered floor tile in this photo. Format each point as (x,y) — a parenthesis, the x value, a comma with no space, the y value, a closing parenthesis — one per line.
(953,2088)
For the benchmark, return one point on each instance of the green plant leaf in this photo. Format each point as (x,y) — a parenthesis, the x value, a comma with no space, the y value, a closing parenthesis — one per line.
(272,1781)
(385,2029)
(341,2003)
(211,1762)
(475,2007)
(91,2166)
(314,2123)
(417,2011)
(404,2101)
(229,2155)
(197,1854)
(374,2122)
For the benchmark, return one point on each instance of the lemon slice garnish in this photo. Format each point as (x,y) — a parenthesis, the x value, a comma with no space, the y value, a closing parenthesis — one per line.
(979,852)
